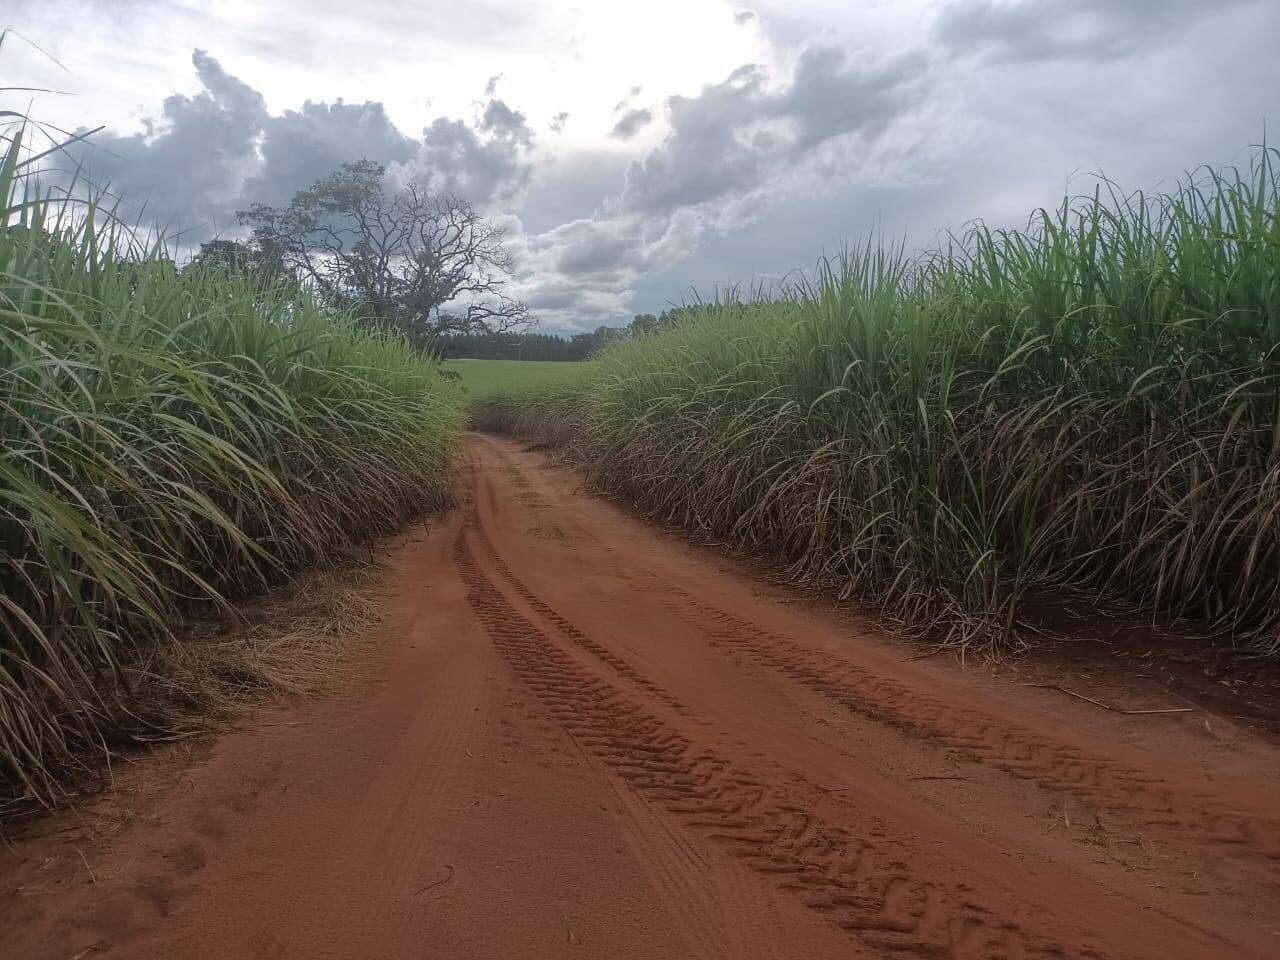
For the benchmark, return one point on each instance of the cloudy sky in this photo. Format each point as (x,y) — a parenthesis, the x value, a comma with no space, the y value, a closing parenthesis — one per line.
(637,152)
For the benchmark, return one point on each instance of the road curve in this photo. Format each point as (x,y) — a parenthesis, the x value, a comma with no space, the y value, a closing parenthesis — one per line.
(589,739)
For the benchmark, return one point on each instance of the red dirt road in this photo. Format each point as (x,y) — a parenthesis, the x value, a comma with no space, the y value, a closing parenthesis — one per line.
(589,740)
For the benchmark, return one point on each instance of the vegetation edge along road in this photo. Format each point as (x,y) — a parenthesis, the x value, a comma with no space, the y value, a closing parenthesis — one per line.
(172,439)
(1088,404)
(714,773)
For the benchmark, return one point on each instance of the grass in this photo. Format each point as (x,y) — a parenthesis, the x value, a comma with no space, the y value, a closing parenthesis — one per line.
(557,414)
(488,377)
(171,441)
(1088,404)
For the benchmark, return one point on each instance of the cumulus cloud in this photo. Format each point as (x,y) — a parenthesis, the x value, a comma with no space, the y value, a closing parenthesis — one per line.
(188,164)
(1097,30)
(735,135)
(631,122)
(212,153)
(207,155)
(748,177)
(732,149)
(582,274)
(299,147)
(609,251)
(505,123)
(488,164)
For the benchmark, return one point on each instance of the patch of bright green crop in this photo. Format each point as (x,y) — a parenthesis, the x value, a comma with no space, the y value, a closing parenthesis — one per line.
(487,377)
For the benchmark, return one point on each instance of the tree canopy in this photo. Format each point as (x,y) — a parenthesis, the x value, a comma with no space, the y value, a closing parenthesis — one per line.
(421,260)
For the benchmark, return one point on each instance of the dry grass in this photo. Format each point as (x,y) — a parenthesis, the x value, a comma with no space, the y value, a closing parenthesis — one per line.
(556,416)
(304,638)
(284,643)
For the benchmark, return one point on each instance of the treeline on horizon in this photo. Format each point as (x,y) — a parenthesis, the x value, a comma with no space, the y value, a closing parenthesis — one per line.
(519,345)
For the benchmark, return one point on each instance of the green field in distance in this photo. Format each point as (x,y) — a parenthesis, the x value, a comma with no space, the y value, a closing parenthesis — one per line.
(482,377)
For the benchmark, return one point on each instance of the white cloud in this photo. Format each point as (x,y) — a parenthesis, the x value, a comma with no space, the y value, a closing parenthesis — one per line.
(743,144)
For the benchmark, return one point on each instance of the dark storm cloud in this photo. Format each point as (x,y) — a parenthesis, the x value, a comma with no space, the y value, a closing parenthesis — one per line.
(631,123)
(703,156)
(735,141)
(593,249)
(829,97)
(571,187)
(1098,30)
(210,154)
(506,123)
(582,307)
(187,166)
(756,174)
(581,274)
(487,170)
(301,146)
(487,164)
(734,135)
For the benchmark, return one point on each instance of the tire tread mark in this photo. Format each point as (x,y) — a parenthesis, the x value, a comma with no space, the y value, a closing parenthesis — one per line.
(596,649)
(1053,764)
(865,888)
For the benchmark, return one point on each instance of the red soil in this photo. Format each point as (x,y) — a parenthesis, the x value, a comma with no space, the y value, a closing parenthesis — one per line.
(589,739)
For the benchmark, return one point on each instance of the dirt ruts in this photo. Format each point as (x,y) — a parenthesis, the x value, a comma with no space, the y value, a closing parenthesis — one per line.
(582,737)
(1050,762)
(867,889)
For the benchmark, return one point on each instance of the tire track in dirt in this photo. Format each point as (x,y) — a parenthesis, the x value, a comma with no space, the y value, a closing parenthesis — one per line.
(867,884)
(621,666)
(1052,763)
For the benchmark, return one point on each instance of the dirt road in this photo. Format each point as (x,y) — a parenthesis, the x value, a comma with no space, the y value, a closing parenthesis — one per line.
(591,740)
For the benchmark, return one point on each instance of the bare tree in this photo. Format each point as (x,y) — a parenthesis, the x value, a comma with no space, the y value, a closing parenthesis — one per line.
(420,259)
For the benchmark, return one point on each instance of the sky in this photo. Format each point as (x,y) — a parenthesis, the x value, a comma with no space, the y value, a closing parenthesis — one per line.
(641,155)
